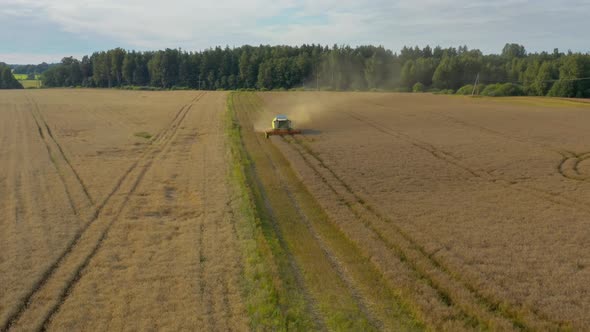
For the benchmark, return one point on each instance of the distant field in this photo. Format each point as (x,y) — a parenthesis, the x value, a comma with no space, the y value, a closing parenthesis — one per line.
(22,77)
(29,84)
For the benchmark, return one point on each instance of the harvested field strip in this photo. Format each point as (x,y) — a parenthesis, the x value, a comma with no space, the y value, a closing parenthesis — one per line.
(273,302)
(303,253)
(297,308)
(359,278)
(521,317)
(400,268)
(50,291)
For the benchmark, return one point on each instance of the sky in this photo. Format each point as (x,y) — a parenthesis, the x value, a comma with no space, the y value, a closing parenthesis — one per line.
(33,31)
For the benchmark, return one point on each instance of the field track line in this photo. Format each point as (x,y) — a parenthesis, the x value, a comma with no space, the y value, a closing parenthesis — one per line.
(484,300)
(55,157)
(208,301)
(55,165)
(165,142)
(573,160)
(147,157)
(310,303)
(487,130)
(404,246)
(214,292)
(566,155)
(483,175)
(40,120)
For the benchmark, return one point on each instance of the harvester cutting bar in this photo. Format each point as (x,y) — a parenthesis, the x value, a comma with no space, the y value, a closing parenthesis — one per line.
(282,132)
(281,126)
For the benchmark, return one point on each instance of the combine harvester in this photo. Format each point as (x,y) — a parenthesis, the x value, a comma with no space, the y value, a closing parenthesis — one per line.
(281,126)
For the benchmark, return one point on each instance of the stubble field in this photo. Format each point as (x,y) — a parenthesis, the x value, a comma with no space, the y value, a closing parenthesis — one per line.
(170,210)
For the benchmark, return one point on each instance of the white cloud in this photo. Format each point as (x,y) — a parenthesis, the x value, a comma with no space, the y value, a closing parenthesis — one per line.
(156,24)
(33,58)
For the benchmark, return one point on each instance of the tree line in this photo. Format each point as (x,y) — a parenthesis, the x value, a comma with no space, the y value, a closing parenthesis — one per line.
(7,80)
(32,70)
(447,70)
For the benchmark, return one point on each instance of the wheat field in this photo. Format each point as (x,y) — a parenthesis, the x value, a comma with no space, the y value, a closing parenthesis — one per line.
(170,210)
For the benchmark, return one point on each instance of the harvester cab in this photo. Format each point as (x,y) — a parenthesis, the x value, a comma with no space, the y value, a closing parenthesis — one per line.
(281,125)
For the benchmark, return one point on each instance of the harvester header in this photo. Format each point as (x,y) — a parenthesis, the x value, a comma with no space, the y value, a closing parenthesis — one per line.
(281,125)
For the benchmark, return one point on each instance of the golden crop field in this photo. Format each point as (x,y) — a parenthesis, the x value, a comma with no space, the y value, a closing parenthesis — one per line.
(137,210)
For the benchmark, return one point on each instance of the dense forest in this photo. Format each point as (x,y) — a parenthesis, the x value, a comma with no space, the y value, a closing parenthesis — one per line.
(7,80)
(443,70)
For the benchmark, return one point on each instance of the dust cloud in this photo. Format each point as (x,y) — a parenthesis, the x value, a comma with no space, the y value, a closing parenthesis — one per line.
(303,110)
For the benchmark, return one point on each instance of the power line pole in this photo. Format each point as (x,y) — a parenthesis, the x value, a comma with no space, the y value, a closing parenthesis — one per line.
(317,80)
(475,85)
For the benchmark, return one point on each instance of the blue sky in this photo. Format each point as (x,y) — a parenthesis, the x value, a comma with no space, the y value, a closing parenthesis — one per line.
(32,31)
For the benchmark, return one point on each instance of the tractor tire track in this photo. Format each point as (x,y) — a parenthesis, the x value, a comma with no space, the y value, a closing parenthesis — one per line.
(478,297)
(80,239)
(55,163)
(41,122)
(405,250)
(565,169)
(169,134)
(480,174)
(569,166)
(219,234)
(336,264)
(332,259)
(203,285)
(166,139)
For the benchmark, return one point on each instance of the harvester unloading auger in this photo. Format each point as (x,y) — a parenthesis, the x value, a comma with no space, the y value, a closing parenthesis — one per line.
(281,125)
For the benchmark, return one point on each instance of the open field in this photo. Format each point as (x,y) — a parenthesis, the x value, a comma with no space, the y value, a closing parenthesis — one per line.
(30,84)
(22,77)
(475,208)
(137,210)
(26,83)
(104,229)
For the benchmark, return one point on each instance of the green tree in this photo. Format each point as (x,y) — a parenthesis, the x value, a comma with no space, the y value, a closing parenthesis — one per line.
(408,75)
(418,87)
(7,79)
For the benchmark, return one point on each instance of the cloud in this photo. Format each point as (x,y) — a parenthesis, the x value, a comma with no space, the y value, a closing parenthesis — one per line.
(195,25)
(34,58)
